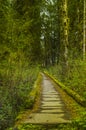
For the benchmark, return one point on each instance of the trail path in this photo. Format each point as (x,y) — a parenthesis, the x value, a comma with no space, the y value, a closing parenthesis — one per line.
(52,109)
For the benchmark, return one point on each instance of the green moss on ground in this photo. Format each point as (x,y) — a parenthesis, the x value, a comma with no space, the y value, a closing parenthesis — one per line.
(74,104)
(70,92)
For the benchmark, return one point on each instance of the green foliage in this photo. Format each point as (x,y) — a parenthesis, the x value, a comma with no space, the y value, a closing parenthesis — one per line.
(15,88)
(22,24)
(75,78)
(28,35)
(33,95)
(80,123)
(31,127)
(75,82)
(72,126)
(70,92)
(17,74)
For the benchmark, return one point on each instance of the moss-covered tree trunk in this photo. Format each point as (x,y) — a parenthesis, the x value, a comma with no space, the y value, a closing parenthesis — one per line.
(65,25)
(84,31)
(64,37)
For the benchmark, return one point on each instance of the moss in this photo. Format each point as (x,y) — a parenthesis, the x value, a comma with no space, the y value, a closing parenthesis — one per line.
(70,92)
(74,108)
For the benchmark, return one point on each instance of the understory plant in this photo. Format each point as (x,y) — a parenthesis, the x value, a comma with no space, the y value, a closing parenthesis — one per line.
(16,82)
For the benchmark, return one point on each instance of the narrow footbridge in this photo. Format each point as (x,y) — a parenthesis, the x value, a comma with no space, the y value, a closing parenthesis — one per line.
(52,109)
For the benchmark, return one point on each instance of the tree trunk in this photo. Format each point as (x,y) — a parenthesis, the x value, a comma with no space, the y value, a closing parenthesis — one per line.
(84,31)
(65,20)
(64,38)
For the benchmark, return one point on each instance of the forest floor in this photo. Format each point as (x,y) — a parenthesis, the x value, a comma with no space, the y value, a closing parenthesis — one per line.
(55,107)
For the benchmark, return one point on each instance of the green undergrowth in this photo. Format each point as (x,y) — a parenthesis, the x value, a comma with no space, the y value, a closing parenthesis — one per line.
(72,126)
(73,104)
(16,82)
(75,78)
(34,94)
(69,91)
(77,123)
(33,101)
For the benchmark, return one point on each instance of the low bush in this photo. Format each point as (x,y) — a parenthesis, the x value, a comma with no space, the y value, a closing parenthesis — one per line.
(16,82)
(70,92)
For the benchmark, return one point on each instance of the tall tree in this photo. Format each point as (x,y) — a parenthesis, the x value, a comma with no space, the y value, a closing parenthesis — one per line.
(84,30)
(50,32)
(75,14)
(64,26)
(29,13)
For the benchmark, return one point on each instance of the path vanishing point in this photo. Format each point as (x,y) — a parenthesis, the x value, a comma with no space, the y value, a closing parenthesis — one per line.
(52,109)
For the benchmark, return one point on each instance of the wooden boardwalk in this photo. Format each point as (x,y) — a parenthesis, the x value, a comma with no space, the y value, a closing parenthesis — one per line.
(52,109)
